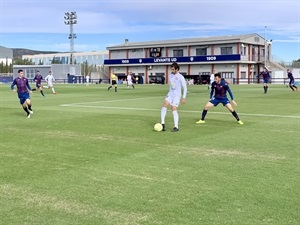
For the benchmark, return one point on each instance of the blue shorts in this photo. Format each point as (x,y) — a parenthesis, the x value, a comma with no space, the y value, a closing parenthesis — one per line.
(38,85)
(23,97)
(291,82)
(216,101)
(266,81)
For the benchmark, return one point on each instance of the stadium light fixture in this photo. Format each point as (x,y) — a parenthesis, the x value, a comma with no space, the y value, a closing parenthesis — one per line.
(70,20)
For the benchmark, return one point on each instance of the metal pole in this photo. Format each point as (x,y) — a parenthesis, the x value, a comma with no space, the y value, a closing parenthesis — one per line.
(71,18)
(265,42)
(71,43)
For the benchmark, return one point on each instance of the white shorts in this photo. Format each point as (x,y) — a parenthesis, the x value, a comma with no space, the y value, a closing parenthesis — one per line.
(50,84)
(129,83)
(173,100)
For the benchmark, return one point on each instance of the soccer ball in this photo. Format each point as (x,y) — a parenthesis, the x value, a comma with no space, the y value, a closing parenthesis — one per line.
(158,127)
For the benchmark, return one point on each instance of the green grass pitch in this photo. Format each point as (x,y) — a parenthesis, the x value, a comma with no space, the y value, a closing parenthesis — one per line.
(91,156)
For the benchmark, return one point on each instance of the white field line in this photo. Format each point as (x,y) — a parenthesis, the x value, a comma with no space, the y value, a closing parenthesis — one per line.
(117,100)
(79,105)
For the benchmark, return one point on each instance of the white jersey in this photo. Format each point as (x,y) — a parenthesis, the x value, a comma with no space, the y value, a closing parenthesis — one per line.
(87,78)
(49,78)
(212,78)
(129,80)
(176,84)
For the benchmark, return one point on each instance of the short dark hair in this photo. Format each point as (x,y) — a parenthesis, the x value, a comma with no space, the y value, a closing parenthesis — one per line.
(175,66)
(218,75)
(19,71)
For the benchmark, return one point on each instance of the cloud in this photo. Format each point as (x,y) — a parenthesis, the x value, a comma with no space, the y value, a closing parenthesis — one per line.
(111,21)
(116,16)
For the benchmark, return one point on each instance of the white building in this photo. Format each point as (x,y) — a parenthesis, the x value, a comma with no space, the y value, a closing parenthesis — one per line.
(94,57)
(91,58)
(6,55)
(61,72)
(239,58)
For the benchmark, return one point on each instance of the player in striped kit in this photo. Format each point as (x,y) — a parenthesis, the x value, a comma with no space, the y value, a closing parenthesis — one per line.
(292,80)
(23,89)
(219,87)
(38,83)
(266,79)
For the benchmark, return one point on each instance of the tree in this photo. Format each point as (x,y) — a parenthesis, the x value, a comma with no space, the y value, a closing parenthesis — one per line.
(296,63)
(56,60)
(86,68)
(2,67)
(18,61)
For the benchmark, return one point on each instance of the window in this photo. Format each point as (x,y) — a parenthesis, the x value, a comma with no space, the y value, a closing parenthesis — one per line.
(204,73)
(30,73)
(201,51)
(227,75)
(243,50)
(243,75)
(263,52)
(226,50)
(178,52)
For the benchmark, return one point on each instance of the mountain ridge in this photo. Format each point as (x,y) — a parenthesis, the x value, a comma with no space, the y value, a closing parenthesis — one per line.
(18,52)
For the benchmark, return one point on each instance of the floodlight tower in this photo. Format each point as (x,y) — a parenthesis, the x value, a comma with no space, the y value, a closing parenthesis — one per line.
(70,20)
(265,46)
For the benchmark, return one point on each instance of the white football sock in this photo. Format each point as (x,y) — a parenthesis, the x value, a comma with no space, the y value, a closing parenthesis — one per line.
(176,118)
(163,114)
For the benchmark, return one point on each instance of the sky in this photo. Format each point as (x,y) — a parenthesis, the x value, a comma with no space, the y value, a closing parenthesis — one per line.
(39,24)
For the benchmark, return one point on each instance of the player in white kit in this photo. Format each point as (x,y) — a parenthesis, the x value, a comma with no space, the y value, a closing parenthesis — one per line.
(87,79)
(177,83)
(211,79)
(129,80)
(50,79)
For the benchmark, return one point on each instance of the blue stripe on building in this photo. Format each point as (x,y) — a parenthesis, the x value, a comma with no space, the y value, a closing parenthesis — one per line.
(186,59)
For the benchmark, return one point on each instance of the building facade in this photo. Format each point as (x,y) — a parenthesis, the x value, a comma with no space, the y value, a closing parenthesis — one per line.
(94,60)
(61,72)
(239,58)
(6,55)
(94,57)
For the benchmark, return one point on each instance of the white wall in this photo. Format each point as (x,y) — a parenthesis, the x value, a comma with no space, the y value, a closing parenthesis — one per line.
(118,54)
(6,60)
(196,69)
(278,77)
(296,73)
(136,53)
